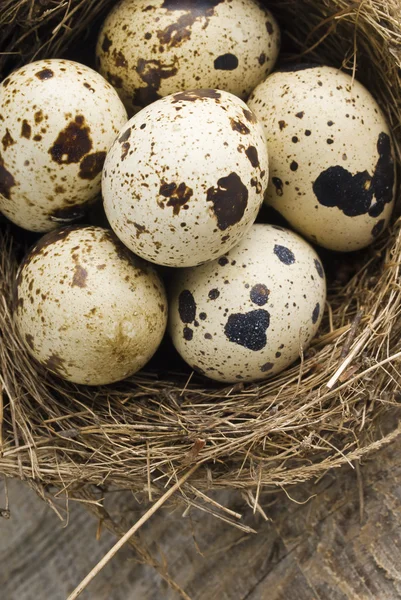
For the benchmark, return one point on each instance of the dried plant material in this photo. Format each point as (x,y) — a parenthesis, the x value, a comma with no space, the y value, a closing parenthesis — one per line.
(139,433)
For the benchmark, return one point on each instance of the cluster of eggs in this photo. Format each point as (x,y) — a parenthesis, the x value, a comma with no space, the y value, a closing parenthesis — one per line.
(182,182)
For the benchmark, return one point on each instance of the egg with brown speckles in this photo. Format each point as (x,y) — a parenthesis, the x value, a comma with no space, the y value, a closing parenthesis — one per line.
(332,166)
(185,178)
(245,316)
(58,119)
(86,308)
(151,48)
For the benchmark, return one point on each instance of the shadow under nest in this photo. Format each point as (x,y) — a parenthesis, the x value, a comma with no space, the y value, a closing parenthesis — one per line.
(146,431)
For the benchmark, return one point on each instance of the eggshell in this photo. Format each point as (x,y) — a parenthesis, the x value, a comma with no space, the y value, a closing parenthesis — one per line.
(332,168)
(185,179)
(58,118)
(245,316)
(86,308)
(151,48)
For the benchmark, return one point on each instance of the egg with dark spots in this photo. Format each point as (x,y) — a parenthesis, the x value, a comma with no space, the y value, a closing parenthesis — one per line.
(182,179)
(149,49)
(86,308)
(329,142)
(247,314)
(60,119)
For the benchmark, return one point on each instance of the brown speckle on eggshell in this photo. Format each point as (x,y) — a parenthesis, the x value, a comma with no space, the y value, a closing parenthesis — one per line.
(260,303)
(330,143)
(183,180)
(86,308)
(151,48)
(60,118)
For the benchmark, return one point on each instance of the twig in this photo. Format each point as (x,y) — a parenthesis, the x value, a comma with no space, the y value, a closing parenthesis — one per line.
(103,562)
(351,334)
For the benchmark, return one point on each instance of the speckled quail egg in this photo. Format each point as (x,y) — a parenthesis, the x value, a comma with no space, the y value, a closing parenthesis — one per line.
(185,178)
(151,48)
(86,308)
(331,156)
(58,118)
(245,316)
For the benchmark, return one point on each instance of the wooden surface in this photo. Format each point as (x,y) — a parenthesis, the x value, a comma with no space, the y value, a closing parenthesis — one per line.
(315,550)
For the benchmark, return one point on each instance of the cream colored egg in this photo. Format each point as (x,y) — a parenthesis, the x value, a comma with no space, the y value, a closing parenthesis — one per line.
(245,316)
(58,119)
(332,168)
(185,178)
(86,308)
(151,48)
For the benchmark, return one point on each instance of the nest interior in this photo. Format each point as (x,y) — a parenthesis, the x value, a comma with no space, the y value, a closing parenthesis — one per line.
(326,410)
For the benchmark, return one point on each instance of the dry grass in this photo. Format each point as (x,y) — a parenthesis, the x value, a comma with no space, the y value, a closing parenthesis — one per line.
(146,431)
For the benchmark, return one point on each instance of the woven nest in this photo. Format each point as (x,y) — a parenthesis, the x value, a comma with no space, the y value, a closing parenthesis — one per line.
(325,411)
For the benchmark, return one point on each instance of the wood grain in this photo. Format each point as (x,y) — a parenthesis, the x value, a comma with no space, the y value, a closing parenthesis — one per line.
(316,550)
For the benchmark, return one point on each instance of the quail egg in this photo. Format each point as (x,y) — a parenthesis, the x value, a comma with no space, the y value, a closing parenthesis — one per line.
(151,48)
(58,119)
(245,316)
(86,308)
(185,178)
(332,167)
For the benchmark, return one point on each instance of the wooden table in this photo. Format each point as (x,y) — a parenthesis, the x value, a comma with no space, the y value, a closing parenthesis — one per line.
(344,543)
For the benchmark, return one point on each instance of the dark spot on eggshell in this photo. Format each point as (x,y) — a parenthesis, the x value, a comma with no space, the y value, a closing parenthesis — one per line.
(124,137)
(257,185)
(300,114)
(7,181)
(188,334)
(223,261)
(177,33)
(253,157)
(178,196)
(38,117)
(269,27)
(316,313)
(249,329)
(319,268)
(278,184)
(119,59)
(282,124)
(266,367)
(259,294)
(140,229)
(229,199)
(285,255)
(26,129)
(44,74)
(237,125)
(6,82)
(262,59)
(208,336)
(202,316)
(249,115)
(92,165)
(7,140)
(214,294)
(186,307)
(72,143)
(106,44)
(294,166)
(125,147)
(353,194)
(378,228)
(152,72)
(226,62)
(30,341)
(194,95)
(55,364)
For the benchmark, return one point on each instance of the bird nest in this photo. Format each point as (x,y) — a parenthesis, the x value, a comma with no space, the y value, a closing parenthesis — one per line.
(144,432)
